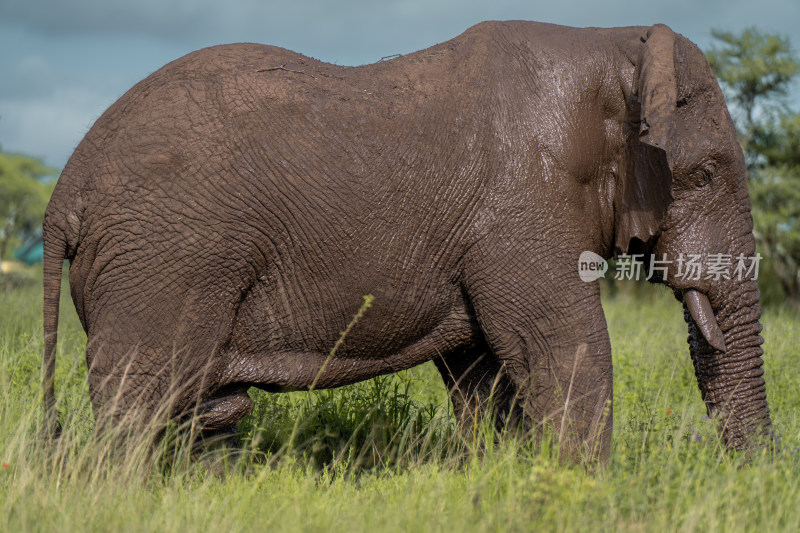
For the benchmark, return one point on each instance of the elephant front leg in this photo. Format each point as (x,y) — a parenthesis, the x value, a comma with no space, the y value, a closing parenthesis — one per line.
(548,329)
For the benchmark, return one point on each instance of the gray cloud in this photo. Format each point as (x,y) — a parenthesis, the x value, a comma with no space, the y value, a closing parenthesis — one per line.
(30,77)
(349,30)
(109,17)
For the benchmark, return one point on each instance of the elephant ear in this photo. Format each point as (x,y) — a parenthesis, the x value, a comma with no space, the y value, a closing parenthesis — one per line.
(645,189)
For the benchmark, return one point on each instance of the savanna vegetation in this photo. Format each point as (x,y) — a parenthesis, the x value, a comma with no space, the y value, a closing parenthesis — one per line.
(385,454)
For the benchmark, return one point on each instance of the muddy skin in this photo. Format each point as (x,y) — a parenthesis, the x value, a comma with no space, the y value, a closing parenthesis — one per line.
(225,217)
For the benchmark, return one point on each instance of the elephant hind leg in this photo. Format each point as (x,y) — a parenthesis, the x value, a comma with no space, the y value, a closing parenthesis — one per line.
(159,357)
(478,387)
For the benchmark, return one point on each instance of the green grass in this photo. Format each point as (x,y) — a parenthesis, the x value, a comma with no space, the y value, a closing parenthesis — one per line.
(385,455)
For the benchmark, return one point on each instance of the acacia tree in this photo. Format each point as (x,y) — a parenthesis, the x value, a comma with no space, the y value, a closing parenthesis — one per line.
(756,71)
(23,196)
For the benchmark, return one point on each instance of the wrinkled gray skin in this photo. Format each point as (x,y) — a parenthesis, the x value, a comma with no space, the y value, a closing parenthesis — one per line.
(224,218)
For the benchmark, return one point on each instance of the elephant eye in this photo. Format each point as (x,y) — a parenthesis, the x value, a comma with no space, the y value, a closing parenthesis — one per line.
(702,178)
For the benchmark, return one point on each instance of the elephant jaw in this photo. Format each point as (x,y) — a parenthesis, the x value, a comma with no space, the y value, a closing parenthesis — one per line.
(703,315)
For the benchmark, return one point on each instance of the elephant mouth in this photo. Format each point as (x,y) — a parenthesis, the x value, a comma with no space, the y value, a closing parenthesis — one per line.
(703,315)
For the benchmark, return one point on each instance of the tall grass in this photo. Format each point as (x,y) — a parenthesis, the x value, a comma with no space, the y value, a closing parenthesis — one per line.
(385,454)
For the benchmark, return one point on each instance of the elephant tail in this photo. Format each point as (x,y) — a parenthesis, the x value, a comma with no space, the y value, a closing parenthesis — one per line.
(55,249)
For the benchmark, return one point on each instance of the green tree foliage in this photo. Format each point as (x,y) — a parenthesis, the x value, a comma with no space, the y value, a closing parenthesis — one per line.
(776,216)
(779,142)
(756,71)
(24,194)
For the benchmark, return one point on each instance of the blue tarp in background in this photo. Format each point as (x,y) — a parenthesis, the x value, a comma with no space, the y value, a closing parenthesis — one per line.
(32,249)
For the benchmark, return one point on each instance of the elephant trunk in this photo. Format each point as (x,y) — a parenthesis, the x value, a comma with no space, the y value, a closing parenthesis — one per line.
(726,350)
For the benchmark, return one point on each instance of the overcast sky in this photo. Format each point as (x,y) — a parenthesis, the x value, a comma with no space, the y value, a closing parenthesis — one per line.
(62,63)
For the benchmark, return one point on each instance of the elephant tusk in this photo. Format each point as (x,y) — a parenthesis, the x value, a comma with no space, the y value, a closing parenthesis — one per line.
(703,315)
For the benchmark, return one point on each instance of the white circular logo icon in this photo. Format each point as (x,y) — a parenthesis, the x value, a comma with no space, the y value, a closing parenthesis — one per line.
(591,266)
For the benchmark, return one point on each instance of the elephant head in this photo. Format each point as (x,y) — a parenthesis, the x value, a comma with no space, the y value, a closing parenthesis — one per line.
(683,194)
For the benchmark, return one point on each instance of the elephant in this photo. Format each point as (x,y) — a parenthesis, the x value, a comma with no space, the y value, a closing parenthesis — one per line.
(224,218)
